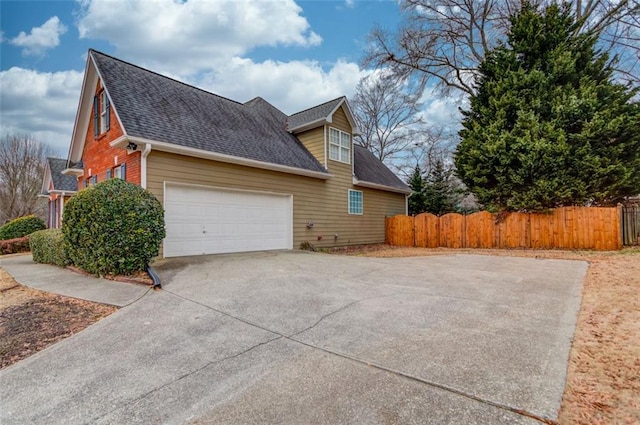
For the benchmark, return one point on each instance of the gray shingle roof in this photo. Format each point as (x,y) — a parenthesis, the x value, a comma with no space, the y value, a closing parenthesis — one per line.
(61,181)
(159,108)
(370,169)
(313,114)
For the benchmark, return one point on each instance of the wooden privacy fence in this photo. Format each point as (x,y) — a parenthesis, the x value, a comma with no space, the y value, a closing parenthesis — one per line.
(563,228)
(631,225)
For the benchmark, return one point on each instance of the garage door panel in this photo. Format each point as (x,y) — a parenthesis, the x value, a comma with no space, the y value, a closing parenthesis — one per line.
(211,221)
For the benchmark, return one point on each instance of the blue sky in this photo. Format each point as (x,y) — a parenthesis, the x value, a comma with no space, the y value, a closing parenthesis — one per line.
(295,54)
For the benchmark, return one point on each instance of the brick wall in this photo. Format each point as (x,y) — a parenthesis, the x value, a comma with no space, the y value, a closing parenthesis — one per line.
(98,156)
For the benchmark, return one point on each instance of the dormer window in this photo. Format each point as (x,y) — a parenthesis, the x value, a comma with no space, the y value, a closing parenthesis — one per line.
(339,146)
(101,113)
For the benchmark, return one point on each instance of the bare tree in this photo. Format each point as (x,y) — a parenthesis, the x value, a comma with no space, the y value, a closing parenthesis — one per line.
(22,161)
(444,41)
(387,114)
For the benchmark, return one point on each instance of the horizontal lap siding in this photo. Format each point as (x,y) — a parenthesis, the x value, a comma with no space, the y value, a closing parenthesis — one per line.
(323,202)
(339,120)
(313,140)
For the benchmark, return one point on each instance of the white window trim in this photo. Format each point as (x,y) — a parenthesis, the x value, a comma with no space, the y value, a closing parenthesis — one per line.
(340,146)
(117,172)
(349,202)
(103,112)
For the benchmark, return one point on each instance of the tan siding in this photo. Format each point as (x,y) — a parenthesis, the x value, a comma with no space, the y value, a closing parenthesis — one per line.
(340,120)
(323,202)
(313,140)
(343,172)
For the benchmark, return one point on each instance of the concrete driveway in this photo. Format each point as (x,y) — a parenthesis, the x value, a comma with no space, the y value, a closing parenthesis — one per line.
(296,337)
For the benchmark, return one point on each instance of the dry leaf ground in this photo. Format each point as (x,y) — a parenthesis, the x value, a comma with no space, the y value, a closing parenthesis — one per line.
(603,378)
(31,320)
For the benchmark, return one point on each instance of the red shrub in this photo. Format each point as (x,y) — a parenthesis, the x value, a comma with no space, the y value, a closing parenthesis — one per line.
(12,246)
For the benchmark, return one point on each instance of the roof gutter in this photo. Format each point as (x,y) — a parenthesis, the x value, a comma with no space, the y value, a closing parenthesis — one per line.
(123,141)
(309,125)
(72,172)
(371,185)
(63,192)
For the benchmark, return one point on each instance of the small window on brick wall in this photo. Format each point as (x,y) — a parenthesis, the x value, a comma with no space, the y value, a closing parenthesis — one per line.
(120,172)
(101,110)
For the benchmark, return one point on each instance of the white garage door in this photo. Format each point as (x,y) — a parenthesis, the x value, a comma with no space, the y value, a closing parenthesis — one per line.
(201,220)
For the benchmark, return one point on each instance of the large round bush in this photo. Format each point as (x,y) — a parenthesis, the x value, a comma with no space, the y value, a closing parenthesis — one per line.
(20,227)
(114,227)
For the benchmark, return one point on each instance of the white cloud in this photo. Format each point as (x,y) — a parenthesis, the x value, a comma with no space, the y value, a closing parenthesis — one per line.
(42,104)
(202,42)
(208,43)
(442,111)
(290,86)
(194,35)
(350,3)
(41,38)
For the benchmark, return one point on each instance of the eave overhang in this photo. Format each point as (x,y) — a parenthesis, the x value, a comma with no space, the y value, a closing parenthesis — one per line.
(123,141)
(73,172)
(378,186)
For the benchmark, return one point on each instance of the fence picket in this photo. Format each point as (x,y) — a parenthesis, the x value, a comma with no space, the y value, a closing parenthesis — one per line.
(562,228)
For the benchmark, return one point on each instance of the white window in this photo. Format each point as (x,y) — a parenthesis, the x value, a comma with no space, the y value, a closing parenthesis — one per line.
(119,172)
(339,146)
(355,202)
(104,106)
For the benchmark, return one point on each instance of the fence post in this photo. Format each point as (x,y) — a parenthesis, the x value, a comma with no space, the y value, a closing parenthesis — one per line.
(413,230)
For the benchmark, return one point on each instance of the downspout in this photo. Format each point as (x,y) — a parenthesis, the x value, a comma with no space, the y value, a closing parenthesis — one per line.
(406,204)
(143,183)
(154,277)
(143,165)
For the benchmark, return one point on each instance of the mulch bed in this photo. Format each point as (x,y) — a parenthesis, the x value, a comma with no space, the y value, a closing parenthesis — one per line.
(32,320)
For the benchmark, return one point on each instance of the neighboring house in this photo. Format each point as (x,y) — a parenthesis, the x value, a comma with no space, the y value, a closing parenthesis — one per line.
(232,176)
(58,188)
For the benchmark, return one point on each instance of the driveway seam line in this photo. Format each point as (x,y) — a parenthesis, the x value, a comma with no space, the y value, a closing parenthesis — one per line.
(186,375)
(137,299)
(225,313)
(291,338)
(341,309)
(521,412)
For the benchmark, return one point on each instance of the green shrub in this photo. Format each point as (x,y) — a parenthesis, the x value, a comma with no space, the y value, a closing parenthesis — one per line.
(21,226)
(114,227)
(13,246)
(47,247)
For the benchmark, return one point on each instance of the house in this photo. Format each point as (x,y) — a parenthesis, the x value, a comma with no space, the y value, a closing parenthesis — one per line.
(58,188)
(232,176)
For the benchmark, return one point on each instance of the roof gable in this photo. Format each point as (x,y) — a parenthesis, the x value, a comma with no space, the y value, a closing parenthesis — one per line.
(175,116)
(319,115)
(55,180)
(316,114)
(154,107)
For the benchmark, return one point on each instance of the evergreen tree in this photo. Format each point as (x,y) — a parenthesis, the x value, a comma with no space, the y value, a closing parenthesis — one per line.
(547,126)
(441,195)
(417,197)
